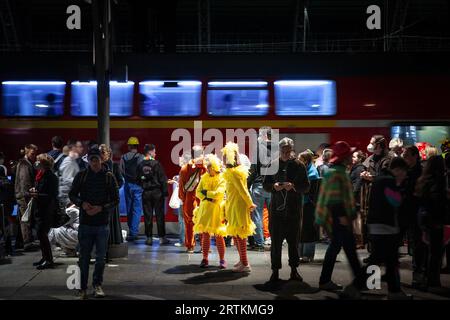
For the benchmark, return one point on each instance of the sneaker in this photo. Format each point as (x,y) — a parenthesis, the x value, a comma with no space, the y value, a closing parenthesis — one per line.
(178,244)
(237,264)
(306,260)
(268,242)
(204,263)
(190,250)
(149,241)
(351,292)
(399,296)
(98,292)
(37,263)
(222,264)
(163,240)
(82,294)
(242,268)
(330,286)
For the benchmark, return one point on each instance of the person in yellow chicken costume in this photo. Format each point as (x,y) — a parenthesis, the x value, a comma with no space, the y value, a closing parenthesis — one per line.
(208,216)
(238,204)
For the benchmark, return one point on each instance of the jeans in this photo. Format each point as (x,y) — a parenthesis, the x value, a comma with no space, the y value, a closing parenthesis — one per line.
(133,200)
(342,238)
(307,249)
(259,197)
(88,236)
(181,223)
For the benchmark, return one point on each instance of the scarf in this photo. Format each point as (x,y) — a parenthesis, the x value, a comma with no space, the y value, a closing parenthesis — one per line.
(39,175)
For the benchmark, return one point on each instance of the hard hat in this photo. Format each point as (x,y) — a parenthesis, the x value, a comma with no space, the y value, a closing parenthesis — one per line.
(133,141)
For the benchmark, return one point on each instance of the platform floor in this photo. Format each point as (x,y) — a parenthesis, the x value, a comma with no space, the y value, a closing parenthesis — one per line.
(167,272)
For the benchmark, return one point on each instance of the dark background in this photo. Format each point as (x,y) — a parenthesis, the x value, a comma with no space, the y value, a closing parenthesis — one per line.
(234,26)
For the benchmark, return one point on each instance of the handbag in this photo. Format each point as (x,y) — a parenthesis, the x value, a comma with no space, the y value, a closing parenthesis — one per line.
(28,212)
(175,202)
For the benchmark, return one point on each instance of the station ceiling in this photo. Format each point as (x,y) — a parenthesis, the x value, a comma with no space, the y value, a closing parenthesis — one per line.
(256,25)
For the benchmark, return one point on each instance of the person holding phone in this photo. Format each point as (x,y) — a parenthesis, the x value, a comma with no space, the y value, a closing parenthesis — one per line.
(287,188)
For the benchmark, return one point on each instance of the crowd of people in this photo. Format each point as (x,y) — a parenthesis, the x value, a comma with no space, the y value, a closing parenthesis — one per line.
(396,196)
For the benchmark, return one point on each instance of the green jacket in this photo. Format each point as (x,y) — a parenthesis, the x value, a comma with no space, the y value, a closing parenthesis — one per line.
(336,189)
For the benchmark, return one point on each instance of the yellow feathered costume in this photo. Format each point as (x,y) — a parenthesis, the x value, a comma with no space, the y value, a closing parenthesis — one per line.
(239,201)
(208,216)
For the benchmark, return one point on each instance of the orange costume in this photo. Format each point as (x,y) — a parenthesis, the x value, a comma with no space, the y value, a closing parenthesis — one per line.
(189,178)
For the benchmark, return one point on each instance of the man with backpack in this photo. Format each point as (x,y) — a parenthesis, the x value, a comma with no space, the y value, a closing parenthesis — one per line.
(96,193)
(133,191)
(57,145)
(153,180)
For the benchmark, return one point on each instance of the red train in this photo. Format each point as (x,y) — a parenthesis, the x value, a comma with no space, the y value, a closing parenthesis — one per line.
(364,105)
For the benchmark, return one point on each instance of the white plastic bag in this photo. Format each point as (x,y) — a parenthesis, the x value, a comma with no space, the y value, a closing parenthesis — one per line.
(174,201)
(28,212)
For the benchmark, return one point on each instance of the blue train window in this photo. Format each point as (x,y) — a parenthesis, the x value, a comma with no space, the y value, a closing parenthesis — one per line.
(170,98)
(238,98)
(305,98)
(84,98)
(33,98)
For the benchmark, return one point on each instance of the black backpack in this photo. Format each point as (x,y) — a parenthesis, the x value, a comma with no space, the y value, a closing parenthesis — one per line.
(131,168)
(147,175)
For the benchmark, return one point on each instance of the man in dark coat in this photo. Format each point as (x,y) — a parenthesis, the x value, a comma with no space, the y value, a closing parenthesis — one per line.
(287,187)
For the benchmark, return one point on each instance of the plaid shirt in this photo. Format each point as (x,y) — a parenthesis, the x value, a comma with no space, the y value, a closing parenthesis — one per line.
(336,188)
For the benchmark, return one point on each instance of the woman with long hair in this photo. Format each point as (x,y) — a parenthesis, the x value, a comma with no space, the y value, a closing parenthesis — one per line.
(115,232)
(309,233)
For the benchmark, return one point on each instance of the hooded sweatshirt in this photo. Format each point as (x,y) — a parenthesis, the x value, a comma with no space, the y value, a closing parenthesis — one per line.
(67,172)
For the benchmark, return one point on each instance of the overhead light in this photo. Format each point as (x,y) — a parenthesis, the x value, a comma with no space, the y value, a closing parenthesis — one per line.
(302,83)
(165,83)
(237,83)
(369,105)
(262,106)
(315,105)
(41,105)
(34,83)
